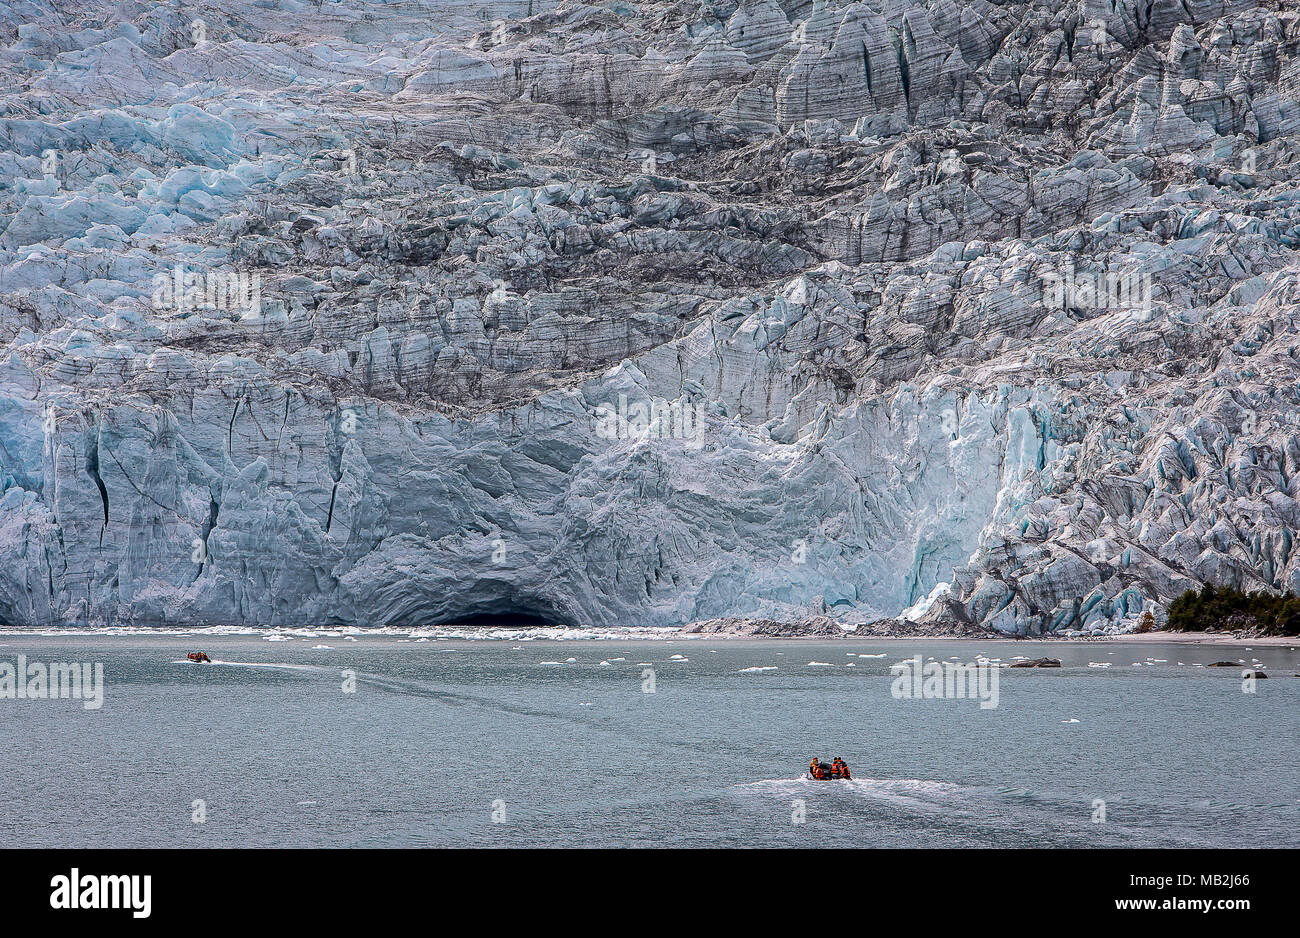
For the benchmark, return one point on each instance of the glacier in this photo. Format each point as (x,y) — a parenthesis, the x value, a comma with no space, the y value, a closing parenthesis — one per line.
(411,313)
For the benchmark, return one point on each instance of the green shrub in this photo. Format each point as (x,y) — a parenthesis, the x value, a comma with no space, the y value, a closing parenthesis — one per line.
(1215,608)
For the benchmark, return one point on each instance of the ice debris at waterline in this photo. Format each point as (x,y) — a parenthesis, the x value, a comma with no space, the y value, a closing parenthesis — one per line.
(948,315)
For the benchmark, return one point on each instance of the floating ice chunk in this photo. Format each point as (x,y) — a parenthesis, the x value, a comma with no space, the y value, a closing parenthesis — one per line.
(770,667)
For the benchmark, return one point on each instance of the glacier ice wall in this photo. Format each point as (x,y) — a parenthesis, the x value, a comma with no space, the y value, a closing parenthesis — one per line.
(641,313)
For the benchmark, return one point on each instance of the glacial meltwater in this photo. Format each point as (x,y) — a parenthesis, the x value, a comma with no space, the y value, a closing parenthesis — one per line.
(331,739)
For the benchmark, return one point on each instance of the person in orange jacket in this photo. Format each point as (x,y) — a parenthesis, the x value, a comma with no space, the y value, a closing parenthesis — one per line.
(842,768)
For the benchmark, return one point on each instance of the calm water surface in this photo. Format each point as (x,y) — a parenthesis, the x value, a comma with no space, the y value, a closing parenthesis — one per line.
(574,753)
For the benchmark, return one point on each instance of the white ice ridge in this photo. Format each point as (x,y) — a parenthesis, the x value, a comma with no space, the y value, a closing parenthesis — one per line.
(400,315)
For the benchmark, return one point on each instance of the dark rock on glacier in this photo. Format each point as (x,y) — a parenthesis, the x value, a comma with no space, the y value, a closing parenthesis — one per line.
(938,316)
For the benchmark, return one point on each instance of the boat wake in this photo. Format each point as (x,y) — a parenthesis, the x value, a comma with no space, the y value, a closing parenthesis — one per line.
(918,793)
(278,665)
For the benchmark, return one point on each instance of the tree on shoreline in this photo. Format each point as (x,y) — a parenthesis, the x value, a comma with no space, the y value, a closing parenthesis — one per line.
(1227,608)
